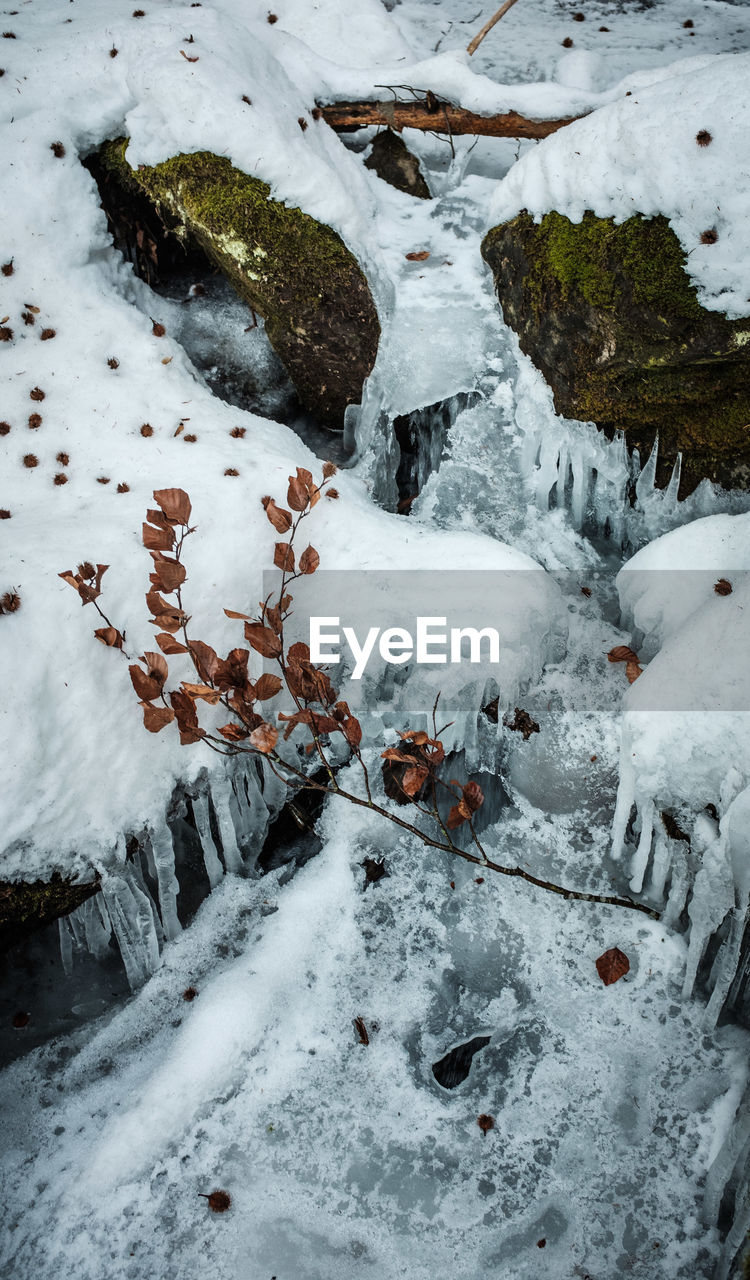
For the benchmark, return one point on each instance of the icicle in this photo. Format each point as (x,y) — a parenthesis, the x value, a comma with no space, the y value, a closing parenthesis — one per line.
(678,889)
(221,793)
(212,862)
(643,852)
(163,851)
(726,965)
(670,495)
(644,485)
(661,863)
(723,1166)
(578,493)
(91,926)
(625,799)
(132,914)
(66,945)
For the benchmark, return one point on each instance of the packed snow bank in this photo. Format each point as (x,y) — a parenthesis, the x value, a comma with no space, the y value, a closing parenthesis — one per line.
(84,374)
(641,154)
(341,1157)
(686,734)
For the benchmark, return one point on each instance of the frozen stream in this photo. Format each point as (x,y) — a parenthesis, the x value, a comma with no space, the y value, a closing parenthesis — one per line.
(609,1104)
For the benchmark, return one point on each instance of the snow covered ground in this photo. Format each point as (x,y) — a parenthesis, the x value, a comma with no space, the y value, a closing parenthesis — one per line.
(610,1104)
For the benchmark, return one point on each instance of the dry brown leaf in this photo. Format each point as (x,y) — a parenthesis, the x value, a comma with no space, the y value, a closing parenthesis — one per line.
(280,519)
(262,640)
(283,556)
(158,539)
(264,738)
(175,504)
(612,965)
(146,688)
(309,560)
(202,691)
(417,256)
(267,687)
(622,653)
(109,636)
(156,718)
(168,644)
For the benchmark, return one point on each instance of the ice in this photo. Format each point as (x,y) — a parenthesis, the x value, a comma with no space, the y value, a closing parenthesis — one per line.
(610,1104)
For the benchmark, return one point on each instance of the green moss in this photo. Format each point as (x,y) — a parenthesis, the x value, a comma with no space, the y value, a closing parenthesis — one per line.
(29,905)
(296,272)
(609,315)
(586,257)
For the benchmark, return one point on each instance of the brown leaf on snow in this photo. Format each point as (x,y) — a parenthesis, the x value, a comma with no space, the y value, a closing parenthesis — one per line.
(168,644)
(156,718)
(361,1029)
(485,1124)
(280,519)
(417,256)
(612,965)
(109,636)
(157,666)
(158,539)
(187,718)
(175,504)
(262,640)
(723,587)
(146,687)
(297,496)
(309,560)
(202,691)
(622,653)
(232,672)
(283,556)
(218,1201)
(633,671)
(168,574)
(206,659)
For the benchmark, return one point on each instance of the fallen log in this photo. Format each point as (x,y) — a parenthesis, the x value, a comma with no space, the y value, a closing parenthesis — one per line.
(433,115)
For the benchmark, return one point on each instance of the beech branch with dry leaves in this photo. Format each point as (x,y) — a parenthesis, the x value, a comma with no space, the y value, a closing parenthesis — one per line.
(411,770)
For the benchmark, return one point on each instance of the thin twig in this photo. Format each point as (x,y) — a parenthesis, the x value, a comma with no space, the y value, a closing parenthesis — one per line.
(475,43)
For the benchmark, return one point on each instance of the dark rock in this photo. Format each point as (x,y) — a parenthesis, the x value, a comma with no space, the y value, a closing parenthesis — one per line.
(391,160)
(26,906)
(297,273)
(609,316)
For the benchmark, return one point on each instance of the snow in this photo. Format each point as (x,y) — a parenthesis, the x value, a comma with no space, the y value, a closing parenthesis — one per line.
(639,154)
(620,1112)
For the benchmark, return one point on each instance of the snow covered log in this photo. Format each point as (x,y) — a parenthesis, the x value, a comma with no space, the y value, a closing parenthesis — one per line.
(296,272)
(433,115)
(609,315)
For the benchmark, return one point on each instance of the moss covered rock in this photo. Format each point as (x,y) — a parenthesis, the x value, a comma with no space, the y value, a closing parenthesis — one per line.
(28,905)
(296,272)
(609,316)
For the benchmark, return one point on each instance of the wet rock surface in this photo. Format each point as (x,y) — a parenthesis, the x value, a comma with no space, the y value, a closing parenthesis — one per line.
(607,313)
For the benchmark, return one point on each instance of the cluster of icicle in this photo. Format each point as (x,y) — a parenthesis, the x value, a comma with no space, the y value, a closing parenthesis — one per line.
(712,869)
(137,904)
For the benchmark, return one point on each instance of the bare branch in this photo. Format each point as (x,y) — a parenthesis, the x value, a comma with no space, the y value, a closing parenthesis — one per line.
(479,37)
